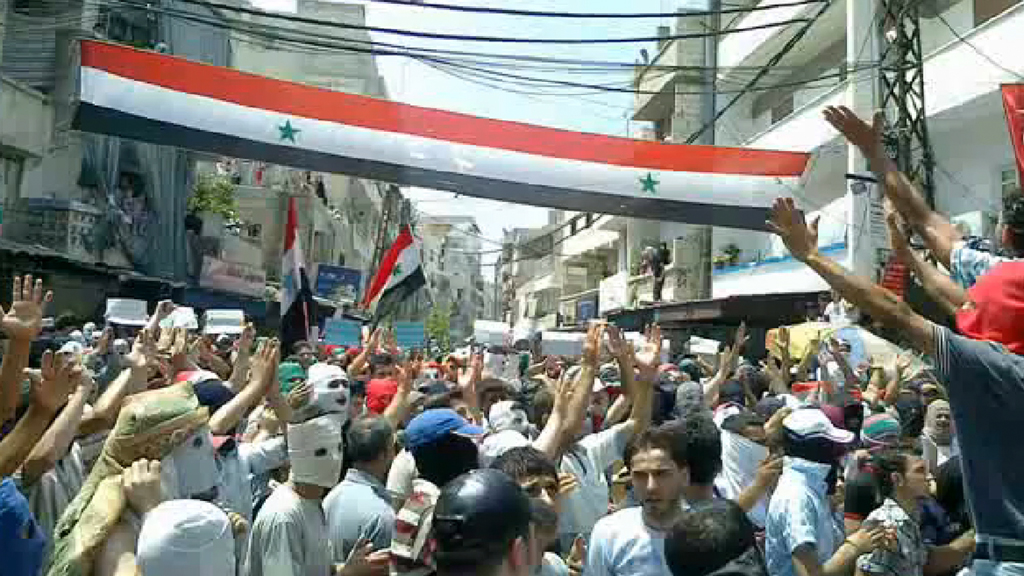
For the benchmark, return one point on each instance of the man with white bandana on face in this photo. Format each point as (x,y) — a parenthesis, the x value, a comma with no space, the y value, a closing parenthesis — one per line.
(289,536)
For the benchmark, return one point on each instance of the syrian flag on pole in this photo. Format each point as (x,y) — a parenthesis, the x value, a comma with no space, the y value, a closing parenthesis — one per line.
(399,276)
(296,295)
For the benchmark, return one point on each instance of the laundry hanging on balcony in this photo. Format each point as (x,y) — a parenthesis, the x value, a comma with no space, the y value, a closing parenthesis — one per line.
(167,100)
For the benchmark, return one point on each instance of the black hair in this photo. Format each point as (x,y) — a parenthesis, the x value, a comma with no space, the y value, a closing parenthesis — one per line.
(446,459)
(708,537)
(380,361)
(703,447)
(885,464)
(300,345)
(368,438)
(443,400)
(525,462)
(543,404)
(1013,218)
(670,437)
(949,491)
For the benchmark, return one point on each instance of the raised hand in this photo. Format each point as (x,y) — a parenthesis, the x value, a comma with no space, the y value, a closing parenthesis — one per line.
(856,131)
(897,239)
(648,357)
(247,338)
(24,321)
(576,556)
(300,395)
(106,338)
(768,472)
(264,365)
(800,239)
(617,346)
(141,484)
(471,377)
(143,351)
(164,309)
(592,345)
(363,561)
(59,376)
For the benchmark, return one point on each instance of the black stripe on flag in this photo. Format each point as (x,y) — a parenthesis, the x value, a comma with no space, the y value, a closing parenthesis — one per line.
(391,298)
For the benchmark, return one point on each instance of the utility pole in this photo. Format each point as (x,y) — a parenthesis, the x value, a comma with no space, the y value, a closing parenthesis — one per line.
(696,112)
(902,92)
(389,212)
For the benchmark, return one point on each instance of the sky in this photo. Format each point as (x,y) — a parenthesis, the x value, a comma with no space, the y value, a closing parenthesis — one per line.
(414,82)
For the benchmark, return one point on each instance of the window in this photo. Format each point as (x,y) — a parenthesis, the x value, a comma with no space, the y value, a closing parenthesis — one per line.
(254,231)
(10,178)
(1009,181)
(985,10)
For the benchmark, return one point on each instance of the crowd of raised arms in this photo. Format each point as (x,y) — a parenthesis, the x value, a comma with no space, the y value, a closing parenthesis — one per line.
(174,453)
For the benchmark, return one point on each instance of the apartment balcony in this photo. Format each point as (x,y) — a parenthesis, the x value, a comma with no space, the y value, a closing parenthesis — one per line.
(803,129)
(756,47)
(26,119)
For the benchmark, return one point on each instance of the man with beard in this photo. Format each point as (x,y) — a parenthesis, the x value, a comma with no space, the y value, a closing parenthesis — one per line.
(632,541)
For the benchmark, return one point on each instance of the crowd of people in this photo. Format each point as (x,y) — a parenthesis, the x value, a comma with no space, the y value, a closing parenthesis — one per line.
(171,452)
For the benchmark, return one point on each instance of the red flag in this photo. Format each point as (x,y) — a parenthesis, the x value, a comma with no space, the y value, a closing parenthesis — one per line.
(1013,103)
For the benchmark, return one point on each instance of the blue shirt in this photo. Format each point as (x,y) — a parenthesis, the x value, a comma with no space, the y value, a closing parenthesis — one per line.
(967,264)
(799,514)
(357,508)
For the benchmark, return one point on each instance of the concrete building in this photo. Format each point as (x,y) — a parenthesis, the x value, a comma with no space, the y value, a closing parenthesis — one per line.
(339,216)
(831,65)
(974,159)
(112,205)
(451,261)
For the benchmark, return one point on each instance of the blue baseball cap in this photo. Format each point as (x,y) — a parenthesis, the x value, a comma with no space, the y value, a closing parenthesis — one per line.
(432,425)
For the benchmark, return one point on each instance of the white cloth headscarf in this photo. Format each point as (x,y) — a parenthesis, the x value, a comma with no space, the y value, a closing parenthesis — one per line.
(193,465)
(315,450)
(189,537)
(741,458)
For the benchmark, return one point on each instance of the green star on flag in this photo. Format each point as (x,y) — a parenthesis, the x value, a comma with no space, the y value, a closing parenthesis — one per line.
(649,184)
(397,271)
(288,131)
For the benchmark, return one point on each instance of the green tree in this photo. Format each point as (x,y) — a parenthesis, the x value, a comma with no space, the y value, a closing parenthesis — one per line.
(214,194)
(438,326)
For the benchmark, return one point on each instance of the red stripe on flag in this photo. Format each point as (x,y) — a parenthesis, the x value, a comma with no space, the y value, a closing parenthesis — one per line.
(300,100)
(291,228)
(387,264)
(1013,104)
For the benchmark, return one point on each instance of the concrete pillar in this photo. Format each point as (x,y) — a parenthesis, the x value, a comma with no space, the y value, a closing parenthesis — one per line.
(3,27)
(866,232)
(691,112)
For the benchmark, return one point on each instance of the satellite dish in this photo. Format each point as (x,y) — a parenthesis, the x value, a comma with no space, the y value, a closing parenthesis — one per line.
(645,55)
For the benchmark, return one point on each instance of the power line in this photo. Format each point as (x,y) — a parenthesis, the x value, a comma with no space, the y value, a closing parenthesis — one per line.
(792,42)
(963,40)
(594,15)
(492,39)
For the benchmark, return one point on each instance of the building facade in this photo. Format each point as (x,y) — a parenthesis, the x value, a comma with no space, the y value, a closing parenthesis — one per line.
(451,262)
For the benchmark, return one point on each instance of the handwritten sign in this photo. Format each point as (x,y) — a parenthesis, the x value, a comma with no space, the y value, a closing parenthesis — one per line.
(339,332)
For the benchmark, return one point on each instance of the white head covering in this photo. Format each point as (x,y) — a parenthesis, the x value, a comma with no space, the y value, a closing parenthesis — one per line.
(186,537)
(77,336)
(508,415)
(74,348)
(741,458)
(121,346)
(89,328)
(497,444)
(330,392)
(193,464)
(315,450)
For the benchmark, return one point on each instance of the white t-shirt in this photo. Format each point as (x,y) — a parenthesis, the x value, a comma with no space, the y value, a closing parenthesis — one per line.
(841,313)
(552,565)
(623,545)
(289,537)
(400,476)
(588,461)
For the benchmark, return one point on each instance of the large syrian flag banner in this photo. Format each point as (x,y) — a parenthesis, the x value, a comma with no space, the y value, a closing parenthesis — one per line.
(297,306)
(399,276)
(167,100)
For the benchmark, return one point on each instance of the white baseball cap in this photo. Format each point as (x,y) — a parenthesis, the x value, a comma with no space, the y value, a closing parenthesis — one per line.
(812,422)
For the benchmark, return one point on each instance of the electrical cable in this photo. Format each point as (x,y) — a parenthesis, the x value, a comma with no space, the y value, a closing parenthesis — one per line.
(492,39)
(790,44)
(990,60)
(610,15)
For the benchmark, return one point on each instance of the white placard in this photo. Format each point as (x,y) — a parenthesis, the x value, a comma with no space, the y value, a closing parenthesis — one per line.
(562,344)
(704,346)
(181,317)
(126,312)
(490,333)
(223,322)
(638,339)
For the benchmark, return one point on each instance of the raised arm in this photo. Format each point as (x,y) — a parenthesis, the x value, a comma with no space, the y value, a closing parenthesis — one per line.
(48,394)
(571,400)
(399,407)
(58,437)
(131,380)
(802,242)
(362,361)
(939,286)
(726,365)
(938,233)
(240,370)
(264,376)
(22,324)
